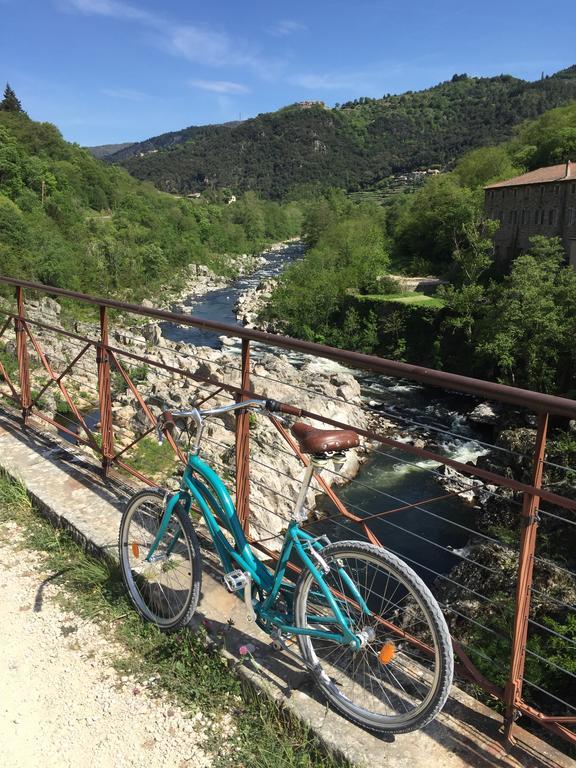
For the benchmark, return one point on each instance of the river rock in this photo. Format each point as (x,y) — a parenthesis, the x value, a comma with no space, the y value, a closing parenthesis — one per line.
(455,482)
(486,413)
(151,333)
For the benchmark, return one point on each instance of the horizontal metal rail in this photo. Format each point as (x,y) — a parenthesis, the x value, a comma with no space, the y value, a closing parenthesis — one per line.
(524,398)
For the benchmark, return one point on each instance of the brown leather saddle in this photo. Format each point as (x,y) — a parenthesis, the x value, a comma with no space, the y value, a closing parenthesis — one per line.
(319,441)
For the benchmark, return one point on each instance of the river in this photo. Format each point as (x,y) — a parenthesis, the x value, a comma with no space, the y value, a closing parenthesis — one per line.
(425,538)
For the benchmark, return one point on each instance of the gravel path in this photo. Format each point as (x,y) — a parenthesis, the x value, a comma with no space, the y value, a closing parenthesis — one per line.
(62,705)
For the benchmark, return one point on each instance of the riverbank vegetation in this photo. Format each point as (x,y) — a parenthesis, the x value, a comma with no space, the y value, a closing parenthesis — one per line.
(67,219)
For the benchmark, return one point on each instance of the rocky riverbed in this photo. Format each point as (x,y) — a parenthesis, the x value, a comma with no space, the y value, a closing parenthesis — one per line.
(275,471)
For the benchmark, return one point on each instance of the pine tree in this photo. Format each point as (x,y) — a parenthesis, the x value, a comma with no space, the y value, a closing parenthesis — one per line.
(10,102)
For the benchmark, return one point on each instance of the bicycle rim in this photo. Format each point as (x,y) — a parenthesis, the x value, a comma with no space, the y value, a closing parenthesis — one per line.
(400,678)
(165,588)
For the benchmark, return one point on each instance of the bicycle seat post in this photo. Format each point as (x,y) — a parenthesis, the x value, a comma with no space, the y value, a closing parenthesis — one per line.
(300,514)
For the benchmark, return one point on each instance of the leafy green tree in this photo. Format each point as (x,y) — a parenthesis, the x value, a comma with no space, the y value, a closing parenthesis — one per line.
(482,166)
(526,331)
(474,250)
(429,226)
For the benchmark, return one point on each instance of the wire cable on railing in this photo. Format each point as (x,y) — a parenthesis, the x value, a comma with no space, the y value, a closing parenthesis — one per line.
(551,695)
(358,531)
(530,652)
(546,561)
(555,600)
(544,513)
(444,577)
(419,508)
(552,631)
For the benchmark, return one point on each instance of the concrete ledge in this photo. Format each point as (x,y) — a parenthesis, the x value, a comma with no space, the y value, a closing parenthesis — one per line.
(69,489)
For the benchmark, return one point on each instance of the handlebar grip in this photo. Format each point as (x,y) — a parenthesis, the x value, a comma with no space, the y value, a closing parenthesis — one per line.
(276,407)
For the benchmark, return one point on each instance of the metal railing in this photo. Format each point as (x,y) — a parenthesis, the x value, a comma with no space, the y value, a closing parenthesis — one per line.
(512,625)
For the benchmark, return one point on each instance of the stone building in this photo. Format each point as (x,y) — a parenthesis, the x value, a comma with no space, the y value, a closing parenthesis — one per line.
(542,202)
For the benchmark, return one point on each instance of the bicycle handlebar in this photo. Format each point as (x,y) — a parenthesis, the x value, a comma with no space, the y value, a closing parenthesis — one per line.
(166,423)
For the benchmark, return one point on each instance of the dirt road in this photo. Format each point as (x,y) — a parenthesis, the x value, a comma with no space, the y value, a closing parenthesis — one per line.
(62,705)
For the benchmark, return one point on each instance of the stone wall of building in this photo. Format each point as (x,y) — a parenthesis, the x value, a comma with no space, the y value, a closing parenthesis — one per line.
(547,209)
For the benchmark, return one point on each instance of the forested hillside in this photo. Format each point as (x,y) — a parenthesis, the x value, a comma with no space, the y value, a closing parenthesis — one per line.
(69,220)
(517,327)
(355,144)
(166,141)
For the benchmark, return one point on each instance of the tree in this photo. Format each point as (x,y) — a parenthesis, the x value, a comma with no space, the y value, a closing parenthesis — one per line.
(427,226)
(527,330)
(10,102)
(474,249)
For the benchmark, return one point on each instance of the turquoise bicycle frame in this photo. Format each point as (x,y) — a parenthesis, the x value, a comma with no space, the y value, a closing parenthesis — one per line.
(203,486)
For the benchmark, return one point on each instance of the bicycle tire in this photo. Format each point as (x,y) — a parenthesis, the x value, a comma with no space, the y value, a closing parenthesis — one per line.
(380,694)
(165,591)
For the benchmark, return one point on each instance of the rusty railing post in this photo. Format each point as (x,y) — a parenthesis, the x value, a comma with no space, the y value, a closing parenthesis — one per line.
(529,521)
(105,393)
(22,354)
(243,446)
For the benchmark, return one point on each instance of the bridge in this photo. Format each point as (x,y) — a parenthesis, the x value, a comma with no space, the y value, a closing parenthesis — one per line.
(70,387)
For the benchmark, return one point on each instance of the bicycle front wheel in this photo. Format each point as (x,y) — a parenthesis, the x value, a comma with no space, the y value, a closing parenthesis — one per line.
(166,587)
(400,677)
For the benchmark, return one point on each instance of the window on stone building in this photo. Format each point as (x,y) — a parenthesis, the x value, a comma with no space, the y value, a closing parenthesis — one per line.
(526,192)
(551,216)
(573,188)
(541,191)
(542,216)
(523,215)
(536,216)
(556,188)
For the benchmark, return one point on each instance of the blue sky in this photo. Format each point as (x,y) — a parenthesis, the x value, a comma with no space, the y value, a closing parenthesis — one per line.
(120,70)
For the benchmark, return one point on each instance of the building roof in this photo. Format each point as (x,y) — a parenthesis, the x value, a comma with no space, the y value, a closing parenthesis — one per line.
(562,172)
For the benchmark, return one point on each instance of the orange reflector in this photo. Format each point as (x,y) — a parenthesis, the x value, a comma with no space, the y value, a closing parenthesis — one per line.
(387,653)
(135,549)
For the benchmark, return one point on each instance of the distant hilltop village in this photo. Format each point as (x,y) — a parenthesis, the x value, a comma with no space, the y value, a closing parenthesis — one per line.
(310,104)
(542,202)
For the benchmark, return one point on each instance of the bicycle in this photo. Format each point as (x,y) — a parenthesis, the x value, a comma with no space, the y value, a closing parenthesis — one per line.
(368,628)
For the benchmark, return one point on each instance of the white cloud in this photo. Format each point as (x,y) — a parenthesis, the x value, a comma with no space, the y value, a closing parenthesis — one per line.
(111,8)
(287,27)
(196,43)
(219,86)
(127,94)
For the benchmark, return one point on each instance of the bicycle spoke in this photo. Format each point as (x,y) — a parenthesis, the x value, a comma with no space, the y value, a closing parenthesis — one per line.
(386,682)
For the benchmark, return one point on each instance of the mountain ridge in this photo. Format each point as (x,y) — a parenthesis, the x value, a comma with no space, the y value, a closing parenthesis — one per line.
(353,145)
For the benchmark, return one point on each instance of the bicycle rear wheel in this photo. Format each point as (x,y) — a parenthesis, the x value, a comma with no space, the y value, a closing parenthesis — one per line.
(400,677)
(164,590)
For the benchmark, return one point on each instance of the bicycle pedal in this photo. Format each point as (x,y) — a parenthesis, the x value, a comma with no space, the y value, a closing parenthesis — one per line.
(235,580)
